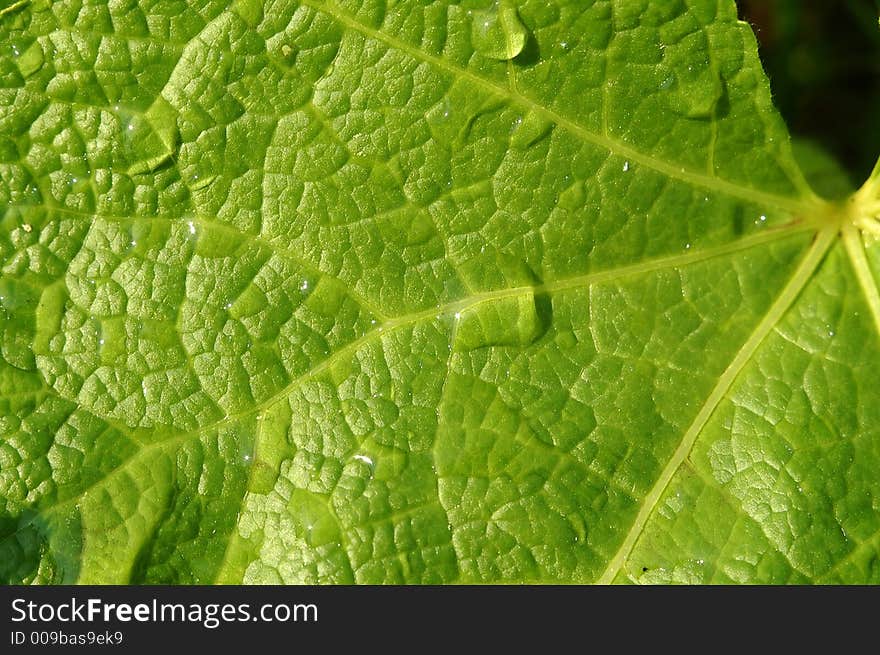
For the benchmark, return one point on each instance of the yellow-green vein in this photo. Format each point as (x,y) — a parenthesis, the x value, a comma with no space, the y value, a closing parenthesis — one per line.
(790,292)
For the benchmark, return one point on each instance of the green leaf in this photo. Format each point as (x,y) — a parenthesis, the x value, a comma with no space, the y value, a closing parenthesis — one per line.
(426,293)
(822,171)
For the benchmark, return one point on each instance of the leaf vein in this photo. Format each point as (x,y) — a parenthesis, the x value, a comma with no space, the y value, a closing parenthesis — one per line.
(784,300)
(613,146)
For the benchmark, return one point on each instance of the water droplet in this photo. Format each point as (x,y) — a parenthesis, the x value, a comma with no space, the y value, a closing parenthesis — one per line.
(625,166)
(27,227)
(366,460)
(572,198)
(448,119)
(192,227)
(687,246)
(498,33)
(304,286)
(693,92)
(763,218)
(529,130)
(506,321)
(830,333)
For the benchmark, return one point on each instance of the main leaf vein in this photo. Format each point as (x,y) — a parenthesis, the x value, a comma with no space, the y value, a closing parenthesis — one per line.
(793,205)
(786,298)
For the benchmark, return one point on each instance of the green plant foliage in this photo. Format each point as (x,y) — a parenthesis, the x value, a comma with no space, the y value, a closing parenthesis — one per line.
(424,292)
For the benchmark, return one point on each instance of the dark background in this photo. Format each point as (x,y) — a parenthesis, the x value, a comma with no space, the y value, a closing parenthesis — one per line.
(823,60)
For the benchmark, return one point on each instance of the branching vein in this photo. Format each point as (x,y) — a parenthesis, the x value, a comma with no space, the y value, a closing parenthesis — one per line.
(675,171)
(789,294)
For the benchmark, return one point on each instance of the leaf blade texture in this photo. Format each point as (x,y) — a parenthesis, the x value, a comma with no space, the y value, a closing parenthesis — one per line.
(363,292)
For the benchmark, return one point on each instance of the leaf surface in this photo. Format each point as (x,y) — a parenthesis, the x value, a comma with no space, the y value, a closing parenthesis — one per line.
(423,292)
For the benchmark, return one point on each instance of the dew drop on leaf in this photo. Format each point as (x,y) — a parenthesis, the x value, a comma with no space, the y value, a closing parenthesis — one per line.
(498,33)
(439,119)
(529,130)
(366,460)
(510,320)
(573,198)
(31,60)
(692,91)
